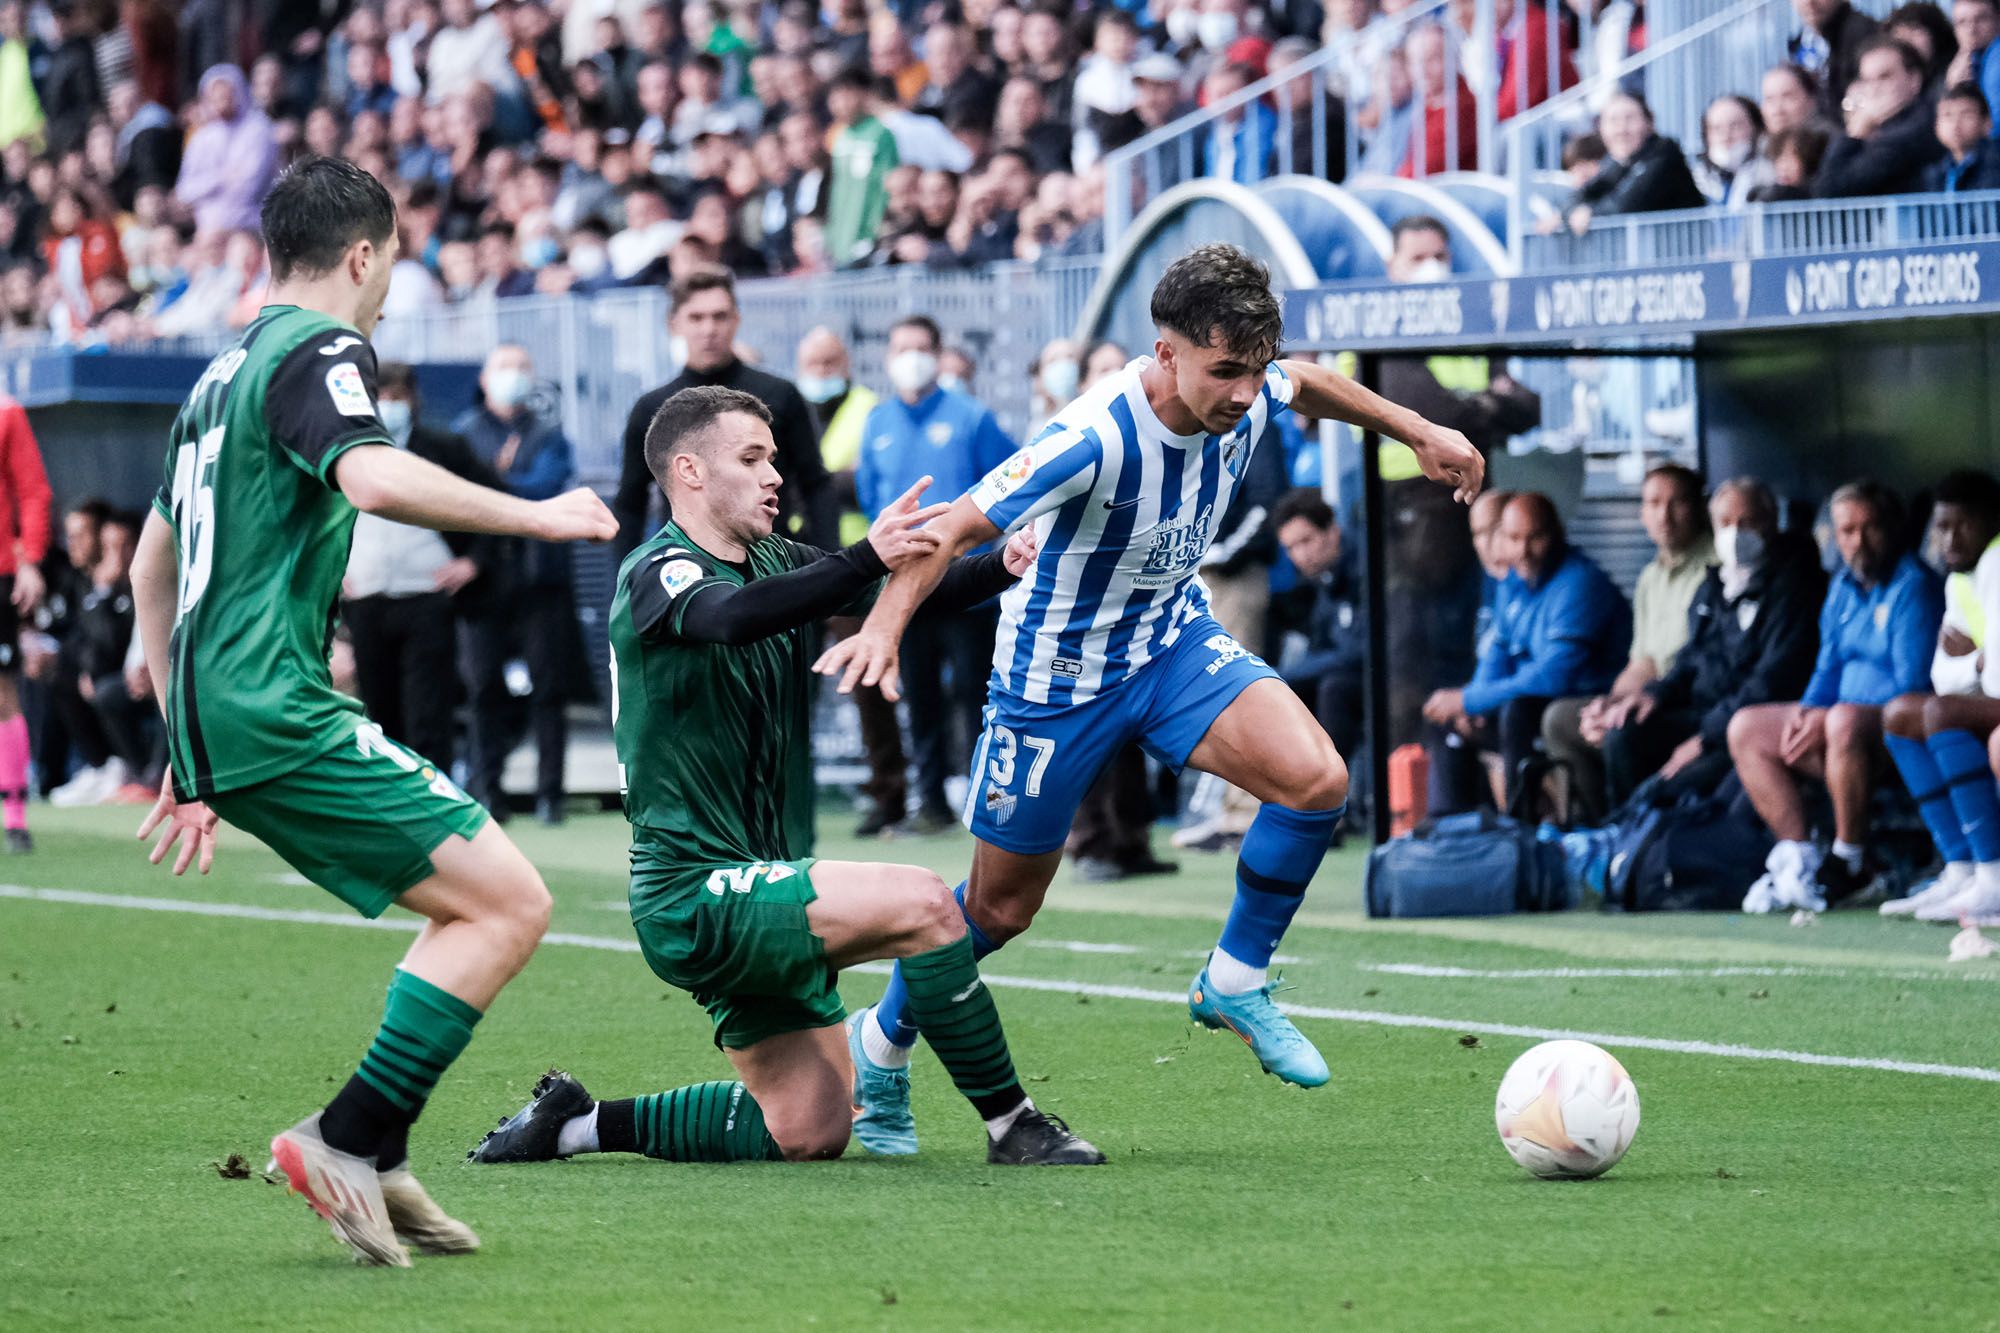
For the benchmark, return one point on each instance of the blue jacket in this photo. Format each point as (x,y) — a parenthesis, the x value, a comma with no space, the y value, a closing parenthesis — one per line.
(947,435)
(542,468)
(1986,66)
(1875,643)
(1255,136)
(1570,634)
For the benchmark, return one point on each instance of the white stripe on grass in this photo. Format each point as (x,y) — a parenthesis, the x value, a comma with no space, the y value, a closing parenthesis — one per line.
(1440,971)
(1375,1018)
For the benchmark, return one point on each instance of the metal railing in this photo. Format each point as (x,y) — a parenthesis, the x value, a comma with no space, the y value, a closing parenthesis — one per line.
(1807,228)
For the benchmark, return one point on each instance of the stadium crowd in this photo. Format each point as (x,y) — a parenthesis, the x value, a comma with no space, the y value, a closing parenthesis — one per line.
(548,148)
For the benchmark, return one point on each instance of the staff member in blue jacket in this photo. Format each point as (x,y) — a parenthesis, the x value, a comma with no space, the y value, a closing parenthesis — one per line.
(534,458)
(1876,631)
(1562,627)
(925,430)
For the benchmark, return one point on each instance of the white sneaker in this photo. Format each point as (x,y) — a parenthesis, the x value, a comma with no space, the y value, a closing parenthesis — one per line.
(1800,890)
(79,790)
(1978,901)
(1785,869)
(1763,895)
(1945,884)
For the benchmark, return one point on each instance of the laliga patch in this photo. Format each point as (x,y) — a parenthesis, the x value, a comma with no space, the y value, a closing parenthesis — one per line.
(677,576)
(1000,804)
(349,394)
(1004,480)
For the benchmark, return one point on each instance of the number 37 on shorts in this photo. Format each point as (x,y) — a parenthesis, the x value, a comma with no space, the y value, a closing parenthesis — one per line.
(1011,757)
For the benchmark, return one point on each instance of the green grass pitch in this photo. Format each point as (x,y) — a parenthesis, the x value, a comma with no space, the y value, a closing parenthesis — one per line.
(139,1048)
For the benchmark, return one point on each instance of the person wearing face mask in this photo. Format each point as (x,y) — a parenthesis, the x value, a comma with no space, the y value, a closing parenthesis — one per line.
(1752,633)
(406,587)
(1878,627)
(1574,730)
(927,431)
(840,410)
(1731,130)
(534,460)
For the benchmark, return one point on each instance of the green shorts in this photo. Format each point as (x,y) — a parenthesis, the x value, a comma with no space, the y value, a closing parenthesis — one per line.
(736,938)
(360,821)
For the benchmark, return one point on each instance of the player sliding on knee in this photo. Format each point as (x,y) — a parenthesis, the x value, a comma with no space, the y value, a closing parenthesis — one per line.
(234,583)
(712,632)
(1110,640)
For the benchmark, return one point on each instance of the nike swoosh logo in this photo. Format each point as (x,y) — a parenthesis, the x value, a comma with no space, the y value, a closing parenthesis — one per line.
(967,993)
(1121,504)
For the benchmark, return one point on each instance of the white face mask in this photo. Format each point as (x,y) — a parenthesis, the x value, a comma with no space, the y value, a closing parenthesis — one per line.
(1216,30)
(822,388)
(395,415)
(1725,547)
(1729,156)
(1060,378)
(1429,270)
(1181,25)
(951,382)
(509,387)
(913,372)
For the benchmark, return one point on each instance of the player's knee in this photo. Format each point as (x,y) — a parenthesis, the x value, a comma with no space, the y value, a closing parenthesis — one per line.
(1937,716)
(1846,727)
(1316,780)
(524,914)
(1745,729)
(1904,716)
(818,1139)
(933,919)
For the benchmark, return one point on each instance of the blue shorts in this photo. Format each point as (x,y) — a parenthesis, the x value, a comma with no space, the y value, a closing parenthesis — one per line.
(1034,762)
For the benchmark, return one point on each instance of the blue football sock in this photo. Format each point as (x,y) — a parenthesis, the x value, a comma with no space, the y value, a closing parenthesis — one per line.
(1961,759)
(1933,797)
(892,1013)
(1280,855)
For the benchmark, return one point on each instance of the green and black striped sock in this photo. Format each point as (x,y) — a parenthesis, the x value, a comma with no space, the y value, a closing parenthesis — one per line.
(704,1122)
(423,1030)
(958,1018)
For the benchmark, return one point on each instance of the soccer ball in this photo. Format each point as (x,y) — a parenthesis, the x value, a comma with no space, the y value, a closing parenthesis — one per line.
(1567,1110)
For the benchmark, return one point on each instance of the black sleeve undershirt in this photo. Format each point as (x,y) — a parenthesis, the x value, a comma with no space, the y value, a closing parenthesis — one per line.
(757,610)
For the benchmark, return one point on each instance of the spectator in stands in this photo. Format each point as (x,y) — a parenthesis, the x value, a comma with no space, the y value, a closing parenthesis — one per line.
(1939,738)
(1575,729)
(231,160)
(1923,27)
(864,153)
(1789,97)
(81,248)
(68,84)
(468,48)
(840,408)
(512,431)
(1964,126)
(706,316)
(66,580)
(1237,144)
(1582,158)
(1157,102)
(1047,57)
(924,430)
(1645,173)
(147,147)
(1876,633)
(1561,631)
(1975,23)
(1523,33)
(1889,136)
(101,648)
(1448,140)
(1329,606)
(1022,122)
(1302,117)
(1752,635)
(1795,155)
(406,587)
(1828,46)
(952,81)
(1731,131)
(1104,88)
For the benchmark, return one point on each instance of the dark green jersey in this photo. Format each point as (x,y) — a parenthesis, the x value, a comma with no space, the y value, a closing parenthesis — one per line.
(261,534)
(714,742)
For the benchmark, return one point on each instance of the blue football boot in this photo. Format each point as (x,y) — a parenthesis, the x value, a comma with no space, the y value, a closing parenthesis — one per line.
(1279,1046)
(882,1119)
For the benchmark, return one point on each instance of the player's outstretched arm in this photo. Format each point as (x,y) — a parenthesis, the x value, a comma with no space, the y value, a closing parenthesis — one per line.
(870,657)
(155,592)
(379,479)
(1444,454)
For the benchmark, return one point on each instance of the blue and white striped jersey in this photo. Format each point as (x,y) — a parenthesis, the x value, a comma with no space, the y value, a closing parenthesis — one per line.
(1124,511)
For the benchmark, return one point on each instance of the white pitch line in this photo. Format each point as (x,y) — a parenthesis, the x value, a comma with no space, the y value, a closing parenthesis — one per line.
(1588,973)
(1367,1016)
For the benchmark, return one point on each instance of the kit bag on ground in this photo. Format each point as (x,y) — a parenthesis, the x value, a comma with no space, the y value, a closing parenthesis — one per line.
(1689,854)
(1473,864)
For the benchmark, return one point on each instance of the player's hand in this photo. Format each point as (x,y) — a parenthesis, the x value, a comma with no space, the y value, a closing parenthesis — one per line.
(868,657)
(455,573)
(1444,707)
(28,586)
(1802,735)
(1020,552)
(189,823)
(574,516)
(1447,456)
(897,533)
